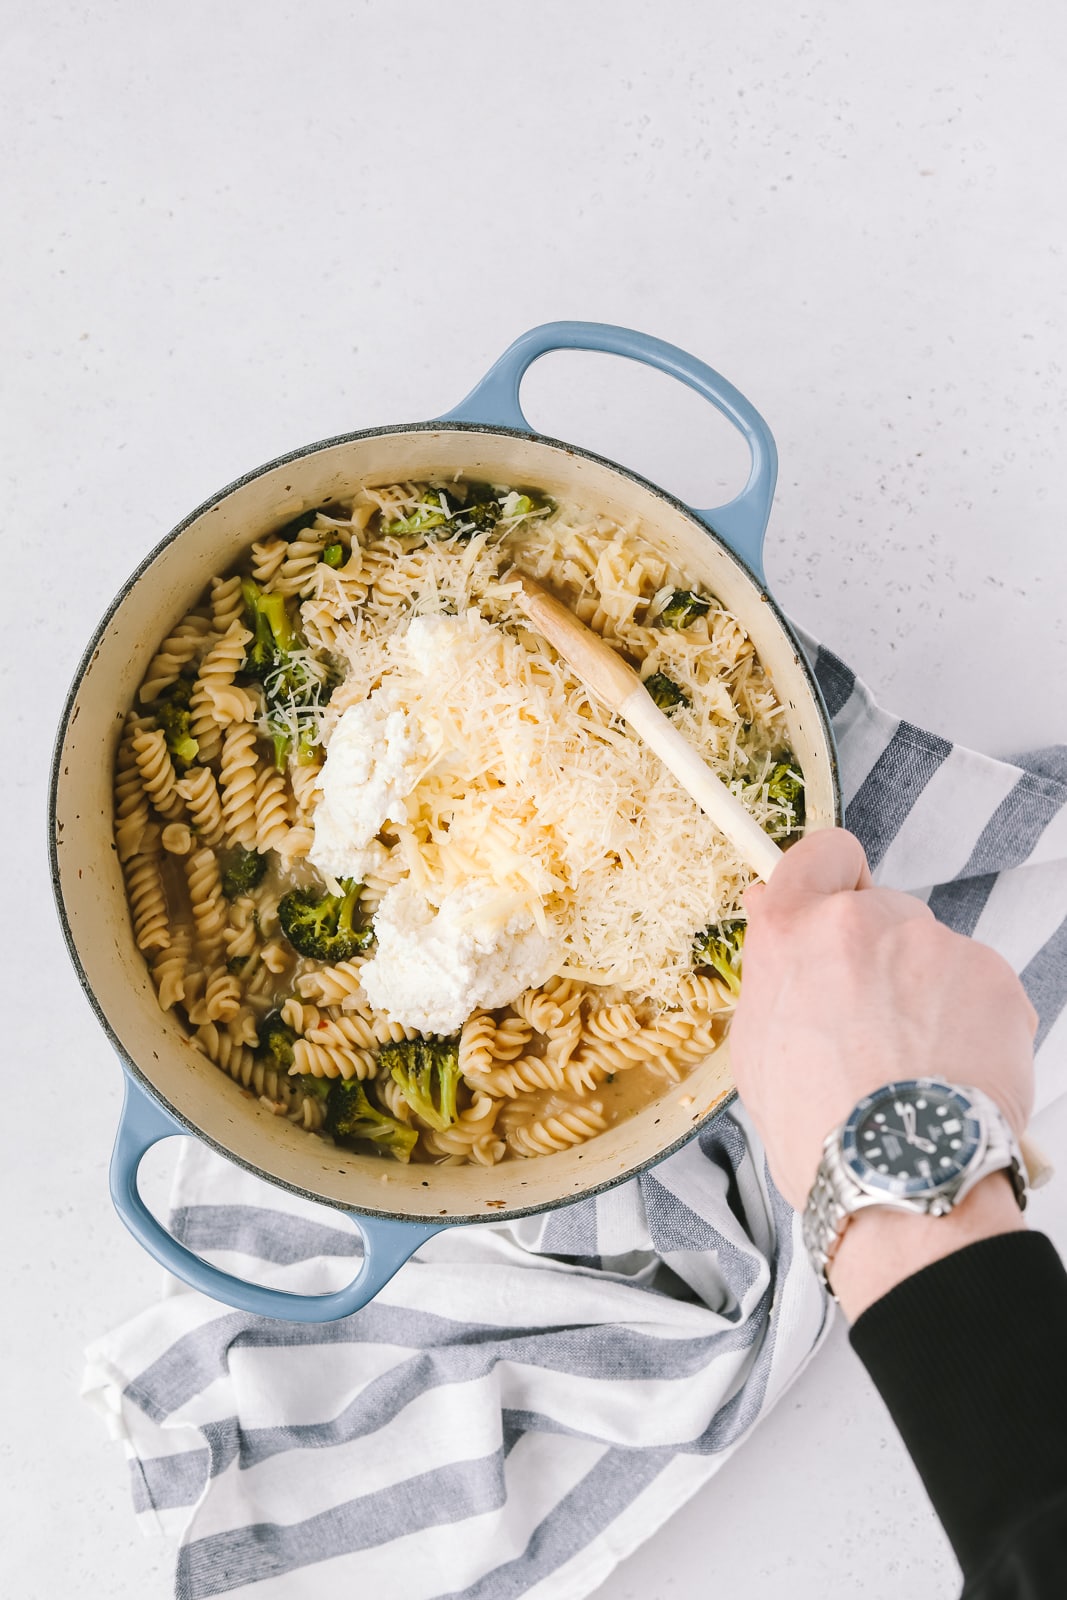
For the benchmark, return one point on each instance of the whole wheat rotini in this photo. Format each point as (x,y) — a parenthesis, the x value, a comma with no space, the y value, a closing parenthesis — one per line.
(567,1058)
(206,900)
(272,805)
(217,672)
(550,1134)
(518,1077)
(314,1060)
(131,802)
(199,789)
(296,573)
(237,777)
(227,603)
(175,653)
(148,902)
(157,773)
(169,967)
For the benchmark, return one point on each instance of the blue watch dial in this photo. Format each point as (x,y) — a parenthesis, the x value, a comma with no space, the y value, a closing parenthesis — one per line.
(911,1138)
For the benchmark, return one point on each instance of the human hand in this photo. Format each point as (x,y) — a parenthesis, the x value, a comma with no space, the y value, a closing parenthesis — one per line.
(847,987)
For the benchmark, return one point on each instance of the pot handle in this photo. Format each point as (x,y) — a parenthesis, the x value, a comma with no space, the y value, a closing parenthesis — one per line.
(742,522)
(386,1244)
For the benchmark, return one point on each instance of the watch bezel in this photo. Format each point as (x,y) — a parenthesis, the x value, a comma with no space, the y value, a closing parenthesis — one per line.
(893,1186)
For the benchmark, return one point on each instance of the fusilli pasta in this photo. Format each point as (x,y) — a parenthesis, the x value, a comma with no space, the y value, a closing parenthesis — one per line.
(200,791)
(157,772)
(175,653)
(197,798)
(148,902)
(549,1134)
(237,776)
(314,1060)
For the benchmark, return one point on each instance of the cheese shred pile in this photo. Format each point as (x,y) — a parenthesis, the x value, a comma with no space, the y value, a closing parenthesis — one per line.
(520,778)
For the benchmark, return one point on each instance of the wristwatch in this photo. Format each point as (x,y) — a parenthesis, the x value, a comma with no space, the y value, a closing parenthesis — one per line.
(919,1145)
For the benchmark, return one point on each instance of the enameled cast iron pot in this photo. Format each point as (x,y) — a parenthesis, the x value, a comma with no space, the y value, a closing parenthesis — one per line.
(170,1087)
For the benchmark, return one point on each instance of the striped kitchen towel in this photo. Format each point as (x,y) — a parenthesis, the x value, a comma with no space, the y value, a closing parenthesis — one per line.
(525,1403)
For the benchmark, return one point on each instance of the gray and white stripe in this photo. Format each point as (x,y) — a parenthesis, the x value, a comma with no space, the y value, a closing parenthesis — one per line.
(525,1403)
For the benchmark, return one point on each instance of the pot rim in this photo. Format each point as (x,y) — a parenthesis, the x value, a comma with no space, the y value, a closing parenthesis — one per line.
(507,1213)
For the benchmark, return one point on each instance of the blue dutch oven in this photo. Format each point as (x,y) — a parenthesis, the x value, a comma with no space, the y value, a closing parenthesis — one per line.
(170,1087)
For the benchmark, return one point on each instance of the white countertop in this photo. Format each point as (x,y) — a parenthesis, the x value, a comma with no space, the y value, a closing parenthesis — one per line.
(232,230)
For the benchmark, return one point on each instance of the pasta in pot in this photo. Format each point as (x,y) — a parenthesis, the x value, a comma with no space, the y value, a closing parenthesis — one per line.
(219,783)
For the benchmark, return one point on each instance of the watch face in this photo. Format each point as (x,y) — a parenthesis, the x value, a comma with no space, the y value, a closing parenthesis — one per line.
(910,1138)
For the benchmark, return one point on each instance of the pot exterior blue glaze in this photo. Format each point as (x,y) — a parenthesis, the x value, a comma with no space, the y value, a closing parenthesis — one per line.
(169,1090)
(742,522)
(387,1244)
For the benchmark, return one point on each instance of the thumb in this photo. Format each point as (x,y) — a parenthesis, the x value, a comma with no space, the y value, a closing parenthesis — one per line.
(828,861)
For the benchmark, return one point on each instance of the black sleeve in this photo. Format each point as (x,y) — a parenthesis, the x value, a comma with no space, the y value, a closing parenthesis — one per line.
(970,1356)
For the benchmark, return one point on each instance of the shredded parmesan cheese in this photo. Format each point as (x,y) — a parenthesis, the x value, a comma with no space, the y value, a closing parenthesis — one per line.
(501,768)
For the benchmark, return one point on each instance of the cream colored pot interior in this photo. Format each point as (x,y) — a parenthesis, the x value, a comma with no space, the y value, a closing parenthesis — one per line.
(91,882)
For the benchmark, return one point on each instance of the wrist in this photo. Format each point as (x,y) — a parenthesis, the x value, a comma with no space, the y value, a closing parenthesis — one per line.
(881,1247)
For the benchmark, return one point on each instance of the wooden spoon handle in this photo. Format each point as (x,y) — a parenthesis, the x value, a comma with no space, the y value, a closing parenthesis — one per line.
(605,672)
(697,778)
(595,662)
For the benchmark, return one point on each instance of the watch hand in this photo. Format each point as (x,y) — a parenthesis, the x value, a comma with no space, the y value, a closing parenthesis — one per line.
(927,1147)
(909,1138)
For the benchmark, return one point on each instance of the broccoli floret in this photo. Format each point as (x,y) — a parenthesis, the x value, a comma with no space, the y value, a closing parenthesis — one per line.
(295,694)
(276,1041)
(775,789)
(318,1088)
(720,946)
(351,1118)
(334,554)
(321,926)
(269,619)
(684,607)
(244,873)
(295,683)
(526,504)
(479,513)
(435,508)
(426,1071)
(439,512)
(482,515)
(176,723)
(667,694)
(172,716)
(785,787)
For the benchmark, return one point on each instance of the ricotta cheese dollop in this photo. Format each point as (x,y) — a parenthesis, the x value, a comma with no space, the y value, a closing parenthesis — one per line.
(433,966)
(372,765)
(441,950)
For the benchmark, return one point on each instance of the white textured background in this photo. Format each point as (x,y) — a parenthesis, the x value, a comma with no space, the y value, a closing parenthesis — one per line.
(232,229)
